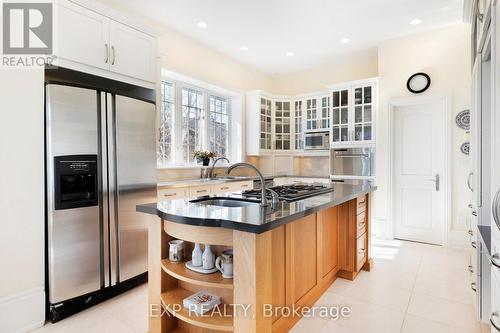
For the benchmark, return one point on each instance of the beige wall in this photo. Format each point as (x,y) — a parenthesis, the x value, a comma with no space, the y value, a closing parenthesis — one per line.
(445,55)
(348,67)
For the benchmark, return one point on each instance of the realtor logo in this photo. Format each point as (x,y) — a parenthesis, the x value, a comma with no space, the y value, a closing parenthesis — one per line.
(27,28)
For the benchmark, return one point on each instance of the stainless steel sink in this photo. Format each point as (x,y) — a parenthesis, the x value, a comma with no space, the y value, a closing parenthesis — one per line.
(225,202)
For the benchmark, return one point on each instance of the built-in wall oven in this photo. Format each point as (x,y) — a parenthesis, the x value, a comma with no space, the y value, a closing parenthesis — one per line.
(352,162)
(317,140)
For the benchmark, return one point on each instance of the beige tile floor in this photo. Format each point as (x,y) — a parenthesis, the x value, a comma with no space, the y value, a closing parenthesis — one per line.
(413,288)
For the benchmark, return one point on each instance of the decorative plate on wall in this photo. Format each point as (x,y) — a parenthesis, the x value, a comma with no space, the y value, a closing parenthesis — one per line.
(463,120)
(465,148)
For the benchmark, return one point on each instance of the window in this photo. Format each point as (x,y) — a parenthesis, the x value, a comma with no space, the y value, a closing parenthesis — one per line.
(219,126)
(167,110)
(192,123)
(198,120)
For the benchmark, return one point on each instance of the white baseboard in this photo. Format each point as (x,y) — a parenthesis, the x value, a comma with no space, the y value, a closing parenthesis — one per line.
(23,311)
(458,239)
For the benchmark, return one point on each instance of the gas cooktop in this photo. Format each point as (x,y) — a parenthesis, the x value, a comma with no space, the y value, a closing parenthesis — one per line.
(292,192)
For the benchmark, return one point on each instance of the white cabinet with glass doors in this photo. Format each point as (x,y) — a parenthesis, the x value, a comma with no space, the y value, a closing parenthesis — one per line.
(353,113)
(317,113)
(282,125)
(260,122)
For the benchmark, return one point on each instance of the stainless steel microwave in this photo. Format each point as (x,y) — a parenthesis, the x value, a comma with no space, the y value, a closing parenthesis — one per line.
(318,140)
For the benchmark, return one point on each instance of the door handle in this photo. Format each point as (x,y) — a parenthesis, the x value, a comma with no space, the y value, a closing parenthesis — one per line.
(495,260)
(495,325)
(437,180)
(106,47)
(113,55)
(469,181)
(494,208)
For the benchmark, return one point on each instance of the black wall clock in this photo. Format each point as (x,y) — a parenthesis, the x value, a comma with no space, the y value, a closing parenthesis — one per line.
(418,83)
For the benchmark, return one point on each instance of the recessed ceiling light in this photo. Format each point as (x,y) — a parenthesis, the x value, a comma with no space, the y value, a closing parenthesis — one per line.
(244,48)
(345,40)
(416,21)
(290,54)
(202,25)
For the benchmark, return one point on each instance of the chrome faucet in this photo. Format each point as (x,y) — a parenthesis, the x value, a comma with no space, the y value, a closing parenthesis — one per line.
(263,199)
(211,170)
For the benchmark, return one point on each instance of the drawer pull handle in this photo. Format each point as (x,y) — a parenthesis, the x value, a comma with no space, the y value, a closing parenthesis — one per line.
(473,244)
(224,188)
(470,232)
(473,286)
(201,191)
(494,315)
(495,260)
(169,195)
(471,269)
(474,213)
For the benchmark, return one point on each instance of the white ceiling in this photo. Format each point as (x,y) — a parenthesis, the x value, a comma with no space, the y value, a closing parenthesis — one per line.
(312,29)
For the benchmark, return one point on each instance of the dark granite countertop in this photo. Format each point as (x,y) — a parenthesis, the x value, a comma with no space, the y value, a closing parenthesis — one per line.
(252,218)
(485,235)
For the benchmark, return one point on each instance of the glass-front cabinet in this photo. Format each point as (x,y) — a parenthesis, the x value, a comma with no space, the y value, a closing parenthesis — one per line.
(353,113)
(265,124)
(340,116)
(311,114)
(282,125)
(299,125)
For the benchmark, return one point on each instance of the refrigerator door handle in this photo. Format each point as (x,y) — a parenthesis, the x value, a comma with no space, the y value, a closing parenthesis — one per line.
(104,192)
(113,195)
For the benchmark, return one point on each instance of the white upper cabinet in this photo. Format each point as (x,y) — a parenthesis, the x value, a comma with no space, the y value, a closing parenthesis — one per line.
(282,125)
(317,113)
(82,36)
(353,113)
(298,122)
(85,37)
(132,52)
(259,127)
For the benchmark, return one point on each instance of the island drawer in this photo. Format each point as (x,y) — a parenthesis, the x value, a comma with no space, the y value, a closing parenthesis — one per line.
(360,252)
(360,224)
(361,204)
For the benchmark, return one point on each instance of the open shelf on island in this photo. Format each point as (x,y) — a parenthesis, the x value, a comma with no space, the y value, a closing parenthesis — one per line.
(181,272)
(214,321)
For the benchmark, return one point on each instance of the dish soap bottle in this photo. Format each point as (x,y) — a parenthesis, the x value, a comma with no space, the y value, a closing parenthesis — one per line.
(196,255)
(208,258)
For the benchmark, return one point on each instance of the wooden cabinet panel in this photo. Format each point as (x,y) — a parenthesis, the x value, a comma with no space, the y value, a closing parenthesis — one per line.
(361,204)
(303,253)
(328,240)
(361,224)
(347,222)
(360,252)
(278,267)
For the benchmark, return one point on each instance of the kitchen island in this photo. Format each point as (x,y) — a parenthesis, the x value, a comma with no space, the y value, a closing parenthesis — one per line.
(285,255)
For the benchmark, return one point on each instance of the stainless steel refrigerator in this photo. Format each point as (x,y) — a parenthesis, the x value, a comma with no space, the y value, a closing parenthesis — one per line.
(100,163)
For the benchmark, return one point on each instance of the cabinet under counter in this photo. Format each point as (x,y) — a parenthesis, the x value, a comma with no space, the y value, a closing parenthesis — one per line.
(290,263)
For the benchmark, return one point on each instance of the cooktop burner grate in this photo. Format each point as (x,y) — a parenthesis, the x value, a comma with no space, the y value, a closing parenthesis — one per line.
(292,192)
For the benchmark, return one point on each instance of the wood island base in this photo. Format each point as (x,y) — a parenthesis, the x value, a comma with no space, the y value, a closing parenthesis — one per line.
(291,265)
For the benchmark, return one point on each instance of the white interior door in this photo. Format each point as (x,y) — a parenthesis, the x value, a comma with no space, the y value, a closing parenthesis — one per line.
(419,172)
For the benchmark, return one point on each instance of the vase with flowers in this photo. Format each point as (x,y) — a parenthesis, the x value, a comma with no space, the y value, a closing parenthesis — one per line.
(203,157)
